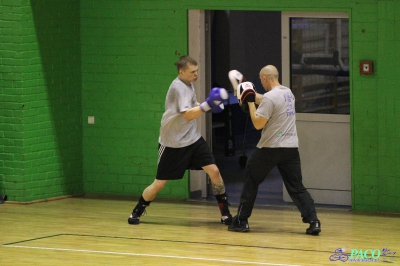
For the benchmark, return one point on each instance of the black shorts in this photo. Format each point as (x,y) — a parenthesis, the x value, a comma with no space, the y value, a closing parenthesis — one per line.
(173,162)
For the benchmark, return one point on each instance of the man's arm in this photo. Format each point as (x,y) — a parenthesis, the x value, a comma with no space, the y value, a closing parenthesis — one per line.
(258,98)
(258,121)
(192,113)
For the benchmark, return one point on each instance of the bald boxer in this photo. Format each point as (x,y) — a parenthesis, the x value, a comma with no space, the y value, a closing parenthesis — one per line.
(278,146)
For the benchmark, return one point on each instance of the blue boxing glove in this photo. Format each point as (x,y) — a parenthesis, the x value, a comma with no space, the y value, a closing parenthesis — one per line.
(215,98)
(218,109)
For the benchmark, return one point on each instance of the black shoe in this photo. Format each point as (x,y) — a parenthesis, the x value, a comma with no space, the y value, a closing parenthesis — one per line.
(314,229)
(226,219)
(133,218)
(3,198)
(138,211)
(223,204)
(239,226)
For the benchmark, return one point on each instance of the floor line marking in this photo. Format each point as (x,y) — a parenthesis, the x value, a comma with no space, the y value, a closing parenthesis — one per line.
(31,239)
(164,240)
(149,255)
(195,242)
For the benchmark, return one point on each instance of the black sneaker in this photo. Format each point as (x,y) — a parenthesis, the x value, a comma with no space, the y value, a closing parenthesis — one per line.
(133,218)
(226,219)
(223,204)
(314,229)
(138,211)
(239,226)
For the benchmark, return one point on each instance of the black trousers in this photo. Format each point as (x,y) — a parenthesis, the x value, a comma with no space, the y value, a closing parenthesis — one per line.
(260,163)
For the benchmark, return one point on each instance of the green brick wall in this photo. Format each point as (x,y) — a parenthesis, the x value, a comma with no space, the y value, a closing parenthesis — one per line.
(375,127)
(40,100)
(127,66)
(114,61)
(388,108)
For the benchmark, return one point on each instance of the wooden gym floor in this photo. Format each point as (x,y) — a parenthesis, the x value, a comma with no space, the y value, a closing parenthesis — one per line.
(87,231)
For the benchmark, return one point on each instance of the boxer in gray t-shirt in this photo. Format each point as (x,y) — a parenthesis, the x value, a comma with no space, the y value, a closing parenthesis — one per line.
(181,146)
(278,146)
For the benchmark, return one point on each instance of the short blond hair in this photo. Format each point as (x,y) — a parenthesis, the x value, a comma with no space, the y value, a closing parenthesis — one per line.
(184,61)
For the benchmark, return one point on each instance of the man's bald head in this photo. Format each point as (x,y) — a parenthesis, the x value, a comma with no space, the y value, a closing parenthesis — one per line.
(269,77)
(270,71)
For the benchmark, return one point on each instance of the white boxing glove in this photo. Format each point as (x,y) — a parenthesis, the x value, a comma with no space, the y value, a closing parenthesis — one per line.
(235,78)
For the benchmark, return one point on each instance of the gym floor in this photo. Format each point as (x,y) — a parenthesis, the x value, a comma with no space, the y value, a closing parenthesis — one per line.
(93,231)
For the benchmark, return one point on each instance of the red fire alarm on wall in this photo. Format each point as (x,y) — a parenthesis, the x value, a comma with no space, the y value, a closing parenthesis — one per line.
(366,67)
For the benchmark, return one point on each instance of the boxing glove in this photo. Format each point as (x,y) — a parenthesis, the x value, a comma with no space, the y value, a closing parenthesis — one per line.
(218,109)
(215,98)
(248,96)
(235,78)
(246,92)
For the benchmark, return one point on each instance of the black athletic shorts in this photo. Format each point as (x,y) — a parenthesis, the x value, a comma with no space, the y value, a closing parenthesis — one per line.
(173,162)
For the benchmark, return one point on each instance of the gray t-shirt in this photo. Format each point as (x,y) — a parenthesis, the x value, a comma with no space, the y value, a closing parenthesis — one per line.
(175,131)
(278,107)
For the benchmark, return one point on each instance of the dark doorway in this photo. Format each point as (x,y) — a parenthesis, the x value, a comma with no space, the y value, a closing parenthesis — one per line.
(245,41)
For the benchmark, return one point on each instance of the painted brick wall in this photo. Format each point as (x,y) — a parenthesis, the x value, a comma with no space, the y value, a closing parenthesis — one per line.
(57,152)
(11,105)
(364,103)
(40,110)
(128,54)
(375,127)
(388,138)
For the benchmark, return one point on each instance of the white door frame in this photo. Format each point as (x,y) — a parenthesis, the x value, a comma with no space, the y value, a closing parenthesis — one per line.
(199,47)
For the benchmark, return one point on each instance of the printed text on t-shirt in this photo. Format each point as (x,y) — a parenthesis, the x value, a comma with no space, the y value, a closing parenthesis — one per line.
(289,99)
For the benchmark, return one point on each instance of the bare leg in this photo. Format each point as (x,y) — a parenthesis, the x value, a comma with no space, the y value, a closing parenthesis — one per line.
(150,193)
(218,185)
(218,188)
